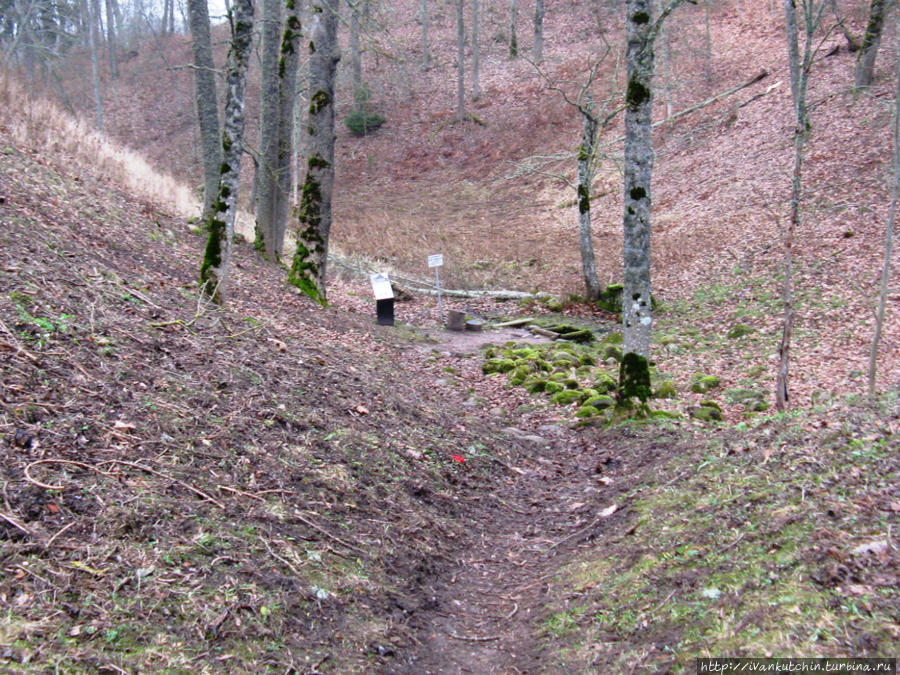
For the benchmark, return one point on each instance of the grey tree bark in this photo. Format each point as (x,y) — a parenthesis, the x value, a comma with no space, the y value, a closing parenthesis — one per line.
(266,176)
(800,69)
(423,19)
(888,236)
(220,227)
(91,13)
(308,267)
(537,49)
(865,59)
(513,21)
(207,102)
(586,159)
(460,63)
(641,34)
(288,66)
(111,40)
(476,50)
(355,52)
(637,318)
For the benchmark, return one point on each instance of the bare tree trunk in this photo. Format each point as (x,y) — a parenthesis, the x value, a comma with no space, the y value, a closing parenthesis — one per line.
(799,83)
(287,72)
(513,21)
(637,316)
(268,128)
(665,60)
(355,55)
(865,60)
(220,227)
(207,105)
(111,41)
(585,184)
(460,63)
(308,268)
(537,49)
(476,51)
(888,236)
(423,18)
(90,8)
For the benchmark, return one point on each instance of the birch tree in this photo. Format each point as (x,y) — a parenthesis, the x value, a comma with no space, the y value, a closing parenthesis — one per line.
(207,105)
(309,263)
(220,226)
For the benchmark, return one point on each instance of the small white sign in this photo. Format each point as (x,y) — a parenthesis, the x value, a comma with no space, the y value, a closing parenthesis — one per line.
(381,286)
(436,260)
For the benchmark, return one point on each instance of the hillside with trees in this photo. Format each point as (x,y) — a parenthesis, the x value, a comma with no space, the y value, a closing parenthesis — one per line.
(211,464)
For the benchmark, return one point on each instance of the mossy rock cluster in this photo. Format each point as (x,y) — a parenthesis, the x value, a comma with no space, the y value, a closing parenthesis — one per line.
(707,411)
(567,374)
(751,399)
(702,383)
(740,330)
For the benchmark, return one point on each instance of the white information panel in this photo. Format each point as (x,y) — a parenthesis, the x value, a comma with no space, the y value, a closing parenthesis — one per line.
(436,260)
(381,286)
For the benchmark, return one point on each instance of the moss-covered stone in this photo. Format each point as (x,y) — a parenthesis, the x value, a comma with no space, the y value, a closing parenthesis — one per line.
(664,415)
(566,397)
(554,305)
(740,330)
(551,387)
(613,339)
(706,414)
(752,400)
(605,382)
(600,402)
(587,359)
(571,383)
(587,411)
(535,385)
(610,299)
(702,383)
(612,352)
(519,375)
(665,390)
(710,404)
(497,366)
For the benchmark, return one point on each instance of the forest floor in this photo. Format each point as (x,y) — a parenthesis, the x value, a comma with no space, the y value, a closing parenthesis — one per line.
(274,487)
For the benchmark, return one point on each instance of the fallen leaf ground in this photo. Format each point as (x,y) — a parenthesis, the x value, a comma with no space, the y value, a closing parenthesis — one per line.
(273,487)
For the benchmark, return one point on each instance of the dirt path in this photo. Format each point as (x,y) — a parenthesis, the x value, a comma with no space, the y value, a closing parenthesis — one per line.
(485,609)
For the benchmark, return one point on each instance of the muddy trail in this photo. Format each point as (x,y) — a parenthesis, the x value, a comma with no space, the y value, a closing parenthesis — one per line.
(483,608)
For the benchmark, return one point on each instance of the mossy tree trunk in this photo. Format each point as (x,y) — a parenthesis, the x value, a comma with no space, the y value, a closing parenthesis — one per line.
(537,49)
(220,227)
(288,66)
(864,72)
(308,268)
(888,237)
(641,33)
(636,312)
(207,105)
(586,158)
(269,121)
(513,22)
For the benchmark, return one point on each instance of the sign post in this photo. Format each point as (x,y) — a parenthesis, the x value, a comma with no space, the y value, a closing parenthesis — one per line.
(436,261)
(384,298)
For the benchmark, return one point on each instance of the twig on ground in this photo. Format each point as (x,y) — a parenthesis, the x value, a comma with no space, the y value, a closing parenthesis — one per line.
(53,538)
(241,492)
(15,523)
(330,536)
(473,638)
